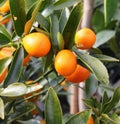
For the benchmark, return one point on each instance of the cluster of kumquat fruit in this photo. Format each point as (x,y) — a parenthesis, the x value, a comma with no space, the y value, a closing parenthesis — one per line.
(4,9)
(66,61)
(38,45)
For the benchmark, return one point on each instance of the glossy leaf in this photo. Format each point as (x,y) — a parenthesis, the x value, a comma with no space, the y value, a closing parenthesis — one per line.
(91,86)
(21,110)
(61,4)
(30,121)
(63,18)
(64,3)
(72,25)
(14,90)
(106,58)
(80,118)
(29,23)
(4,63)
(4,35)
(109,9)
(98,21)
(44,23)
(15,68)
(54,29)
(112,102)
(103,37)
(47,61)
(61,41)
(18,13)
(95,65)
(53,112)
(112,119)
(1,109)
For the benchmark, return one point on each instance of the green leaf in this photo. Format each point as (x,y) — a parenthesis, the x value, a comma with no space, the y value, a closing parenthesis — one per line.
(4,64)
(63,18)
(15,68)
(106,58)
(54,29)
(30,121)
(17,8)
(61,41)
(14,90)
(109,9)
(107,107)
(103,37)
(1,109)
(47,61)
(64,3)
(93,104)
(98,20)
(44,23)
(21,110)
(29,23)
(91,86)
(95,65)
(111,119)
(80,118)
(53,112)
(4,35)
(72,25)
(58,5)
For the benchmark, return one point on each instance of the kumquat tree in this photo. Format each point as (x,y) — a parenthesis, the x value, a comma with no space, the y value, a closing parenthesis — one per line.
(48,48)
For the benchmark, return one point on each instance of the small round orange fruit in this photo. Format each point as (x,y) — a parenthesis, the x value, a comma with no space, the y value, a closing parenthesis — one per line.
(37,44)
(85,38)
(5,7)
(65,62)
(80,74)
(91,120)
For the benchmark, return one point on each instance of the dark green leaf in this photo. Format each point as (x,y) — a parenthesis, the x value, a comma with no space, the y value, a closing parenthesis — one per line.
(80,118)
(95,65)
(72,25)
(109,9)
(98,20)
(29,23)
(106,58)
(64,3)
(21,110)
(53,112)
(1,109)
(18,15)
(112,102)
(63,18)
(4,63)
(54,29)
(4,35)
(47,61)
(91,86)
(14,90)
(15,68)
(44,23)
(103,37)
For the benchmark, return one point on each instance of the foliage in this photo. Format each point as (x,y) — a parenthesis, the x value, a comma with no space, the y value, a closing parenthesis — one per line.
(59,19)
